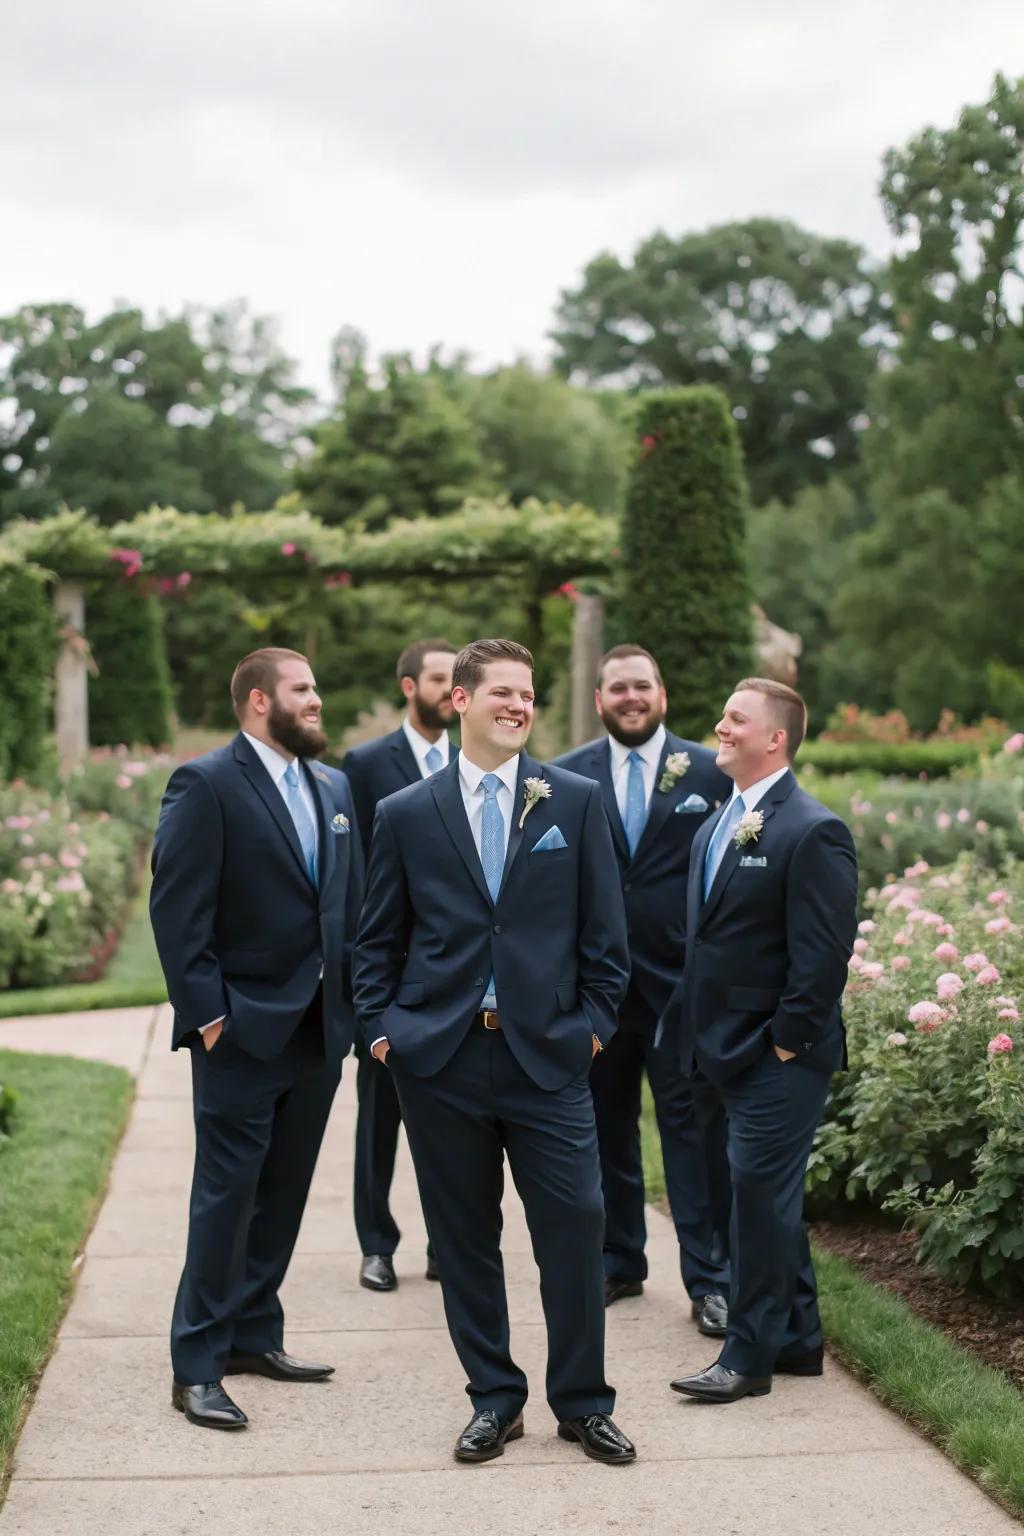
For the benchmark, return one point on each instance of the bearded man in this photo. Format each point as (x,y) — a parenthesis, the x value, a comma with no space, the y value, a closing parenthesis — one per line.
(257,886)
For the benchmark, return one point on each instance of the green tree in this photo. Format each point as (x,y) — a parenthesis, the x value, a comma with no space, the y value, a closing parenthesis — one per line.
(787,323)
(130,696)
(686,594)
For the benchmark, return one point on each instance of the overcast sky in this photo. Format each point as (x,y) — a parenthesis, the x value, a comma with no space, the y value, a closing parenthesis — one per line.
(438,170)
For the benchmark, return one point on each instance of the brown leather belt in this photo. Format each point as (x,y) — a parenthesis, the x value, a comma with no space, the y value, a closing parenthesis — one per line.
(488,1019)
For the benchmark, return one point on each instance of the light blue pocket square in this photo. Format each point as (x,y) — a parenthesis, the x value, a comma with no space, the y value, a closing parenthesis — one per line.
(749,862)
(551,840)
(691,805)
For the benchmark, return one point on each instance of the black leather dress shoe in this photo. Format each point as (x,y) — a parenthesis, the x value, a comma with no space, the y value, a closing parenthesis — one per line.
(278,1366)
(810,1363)
(711,1314)
(377,1272)
(208,1406)
(600,1438)
(484,1436)
(720,1385)
(431,1269)
(615,1289)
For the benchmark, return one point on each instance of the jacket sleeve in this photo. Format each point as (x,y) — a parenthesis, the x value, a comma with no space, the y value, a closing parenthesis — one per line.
(356,888)
(602,946)
(383,932)
(821,925)
(354,769)
(188,852)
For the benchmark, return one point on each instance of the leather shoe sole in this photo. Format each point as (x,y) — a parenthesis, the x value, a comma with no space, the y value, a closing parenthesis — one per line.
(513,1431)
(567,1431)
(721,1395)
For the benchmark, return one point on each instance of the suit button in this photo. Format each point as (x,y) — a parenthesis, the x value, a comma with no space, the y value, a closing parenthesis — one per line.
(497,928)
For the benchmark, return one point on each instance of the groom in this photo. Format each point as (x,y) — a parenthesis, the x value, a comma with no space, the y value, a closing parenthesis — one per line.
(770,923)
(490,963)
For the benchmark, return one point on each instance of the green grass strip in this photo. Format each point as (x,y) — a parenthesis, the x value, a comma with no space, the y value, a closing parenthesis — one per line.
(53,1171)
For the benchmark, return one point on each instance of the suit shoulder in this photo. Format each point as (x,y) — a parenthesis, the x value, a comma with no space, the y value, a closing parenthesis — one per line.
(565,778)
(814,812)
(579,758)
(337,778)
(209,765)
(411,797)
(366,753)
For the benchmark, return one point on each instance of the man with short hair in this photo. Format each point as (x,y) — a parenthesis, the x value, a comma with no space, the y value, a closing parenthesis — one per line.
(490,963)
(257,886)
(771,922)
(375,769)
(658,791)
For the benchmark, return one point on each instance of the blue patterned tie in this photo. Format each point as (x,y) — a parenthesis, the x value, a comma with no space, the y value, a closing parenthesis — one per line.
(636,802)
(492,856)
(434,760)
(302,819)
(720,837)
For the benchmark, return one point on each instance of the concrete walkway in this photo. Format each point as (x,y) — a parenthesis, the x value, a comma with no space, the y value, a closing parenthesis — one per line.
(102,1453)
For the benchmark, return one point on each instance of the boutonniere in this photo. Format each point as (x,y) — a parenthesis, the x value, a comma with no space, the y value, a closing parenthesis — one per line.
(321,776)
(748,828)
(676,764)
(340,822)
(535,791)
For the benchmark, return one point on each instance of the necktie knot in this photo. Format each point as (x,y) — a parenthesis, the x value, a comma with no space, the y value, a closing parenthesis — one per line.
(491,784)
(433,760)
(634,757)
(291,776)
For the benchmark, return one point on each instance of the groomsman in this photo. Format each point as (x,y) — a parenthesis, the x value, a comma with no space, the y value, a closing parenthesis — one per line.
(658,791)
(257,885)
(771,920)
(375,769)
(490,964)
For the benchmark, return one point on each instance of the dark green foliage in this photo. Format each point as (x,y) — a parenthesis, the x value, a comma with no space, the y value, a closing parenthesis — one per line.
(130,696)
(28,652)
(910,759)
(686,594)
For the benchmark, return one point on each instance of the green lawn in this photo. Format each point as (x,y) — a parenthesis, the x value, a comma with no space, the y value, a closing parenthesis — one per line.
(133,977)
(67,1122)
(971,1412)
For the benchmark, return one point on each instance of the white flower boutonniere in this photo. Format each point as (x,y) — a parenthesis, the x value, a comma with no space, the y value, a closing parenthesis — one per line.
(535,791)
(676,764)
(340,822)
(748,829)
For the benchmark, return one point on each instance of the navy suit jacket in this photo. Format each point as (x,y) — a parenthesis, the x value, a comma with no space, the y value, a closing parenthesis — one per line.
(431,936)
(240,928)
(376,769)
(767,953)
(654,879)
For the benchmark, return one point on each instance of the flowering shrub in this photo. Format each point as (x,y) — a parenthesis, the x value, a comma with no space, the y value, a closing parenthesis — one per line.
(8,1098)
(68,867)
(929,1121)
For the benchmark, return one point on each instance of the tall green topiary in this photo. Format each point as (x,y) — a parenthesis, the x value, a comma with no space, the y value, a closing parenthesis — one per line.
(130,695)
(686,593)
(28,653)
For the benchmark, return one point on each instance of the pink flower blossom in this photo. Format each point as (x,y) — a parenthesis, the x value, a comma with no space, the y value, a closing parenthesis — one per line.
(1009,1014)
(1014,743)
(70,884)
(926,1016)
(998,925)
(945,951)
(69,860)
(901,938)
(123,781)
(946,931)
(887,892)
(943,821)
(184,579)
(1000,1045)
(947,986)
(899,963)
(988,976)
(998,898)
(981,826)
(904,900)
(963,815)
(892,817)
(867,926)
(897,1038)
(855,962)
(1002,1002)
(860,946)
(975,961)
(288,548)
(920,868)
(940,882)
(872,969)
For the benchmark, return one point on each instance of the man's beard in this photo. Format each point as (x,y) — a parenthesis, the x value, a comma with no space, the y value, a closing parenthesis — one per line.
(289,732)
(430,716)
(632,735)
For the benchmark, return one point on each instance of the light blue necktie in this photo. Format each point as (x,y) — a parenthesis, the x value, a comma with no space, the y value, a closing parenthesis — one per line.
(434,760)
(636,802)
(302,819)
(719,840)
(492,856)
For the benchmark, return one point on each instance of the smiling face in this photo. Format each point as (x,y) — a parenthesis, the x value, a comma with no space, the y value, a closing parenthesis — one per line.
(496,717)
(430,694)
(751,743)
(291,714)
(630,699)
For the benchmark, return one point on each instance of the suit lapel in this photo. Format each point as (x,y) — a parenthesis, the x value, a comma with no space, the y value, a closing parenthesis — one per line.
(404,757)
(527,769)
(447,792)
(732,855)
(601,769)
(271,796)
(661,806)
(321,786)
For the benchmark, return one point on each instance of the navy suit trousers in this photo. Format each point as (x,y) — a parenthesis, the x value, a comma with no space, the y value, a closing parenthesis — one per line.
(773,1108)
(259,1125)
(691,1125)
(461,1124)
(377,1124)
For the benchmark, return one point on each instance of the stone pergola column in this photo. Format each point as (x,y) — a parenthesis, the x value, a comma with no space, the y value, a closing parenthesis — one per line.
(72,677)
(587,647)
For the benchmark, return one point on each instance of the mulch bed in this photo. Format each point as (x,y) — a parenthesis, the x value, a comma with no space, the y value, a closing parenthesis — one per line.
(992,1330)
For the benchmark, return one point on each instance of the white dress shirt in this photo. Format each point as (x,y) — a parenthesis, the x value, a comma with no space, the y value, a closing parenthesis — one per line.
(755,793)
(421,746)
(650,754)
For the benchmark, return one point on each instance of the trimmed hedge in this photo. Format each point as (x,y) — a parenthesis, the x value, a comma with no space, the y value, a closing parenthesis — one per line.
(685,589)
(130,697)
(28,654)
(905,759)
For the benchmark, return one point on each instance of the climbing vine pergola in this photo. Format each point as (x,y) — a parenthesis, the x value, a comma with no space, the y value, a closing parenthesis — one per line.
(543,546)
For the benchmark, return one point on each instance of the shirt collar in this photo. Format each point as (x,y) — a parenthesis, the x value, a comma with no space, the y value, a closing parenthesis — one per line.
(472,776)
(421,746)
(755,793)
(274,762)
(650,751)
